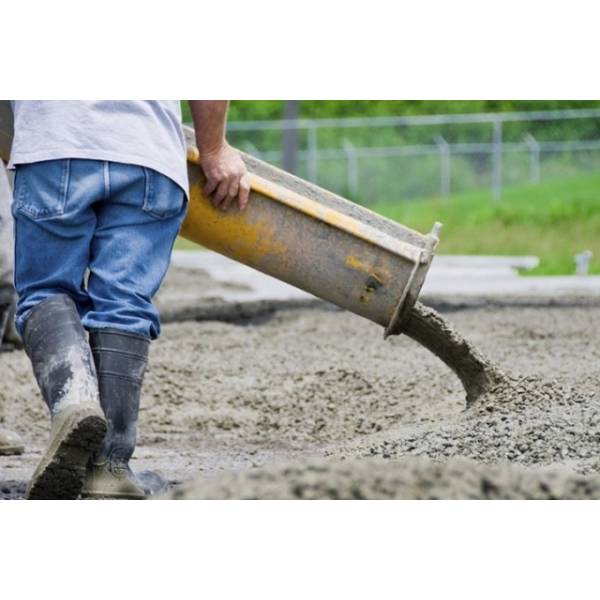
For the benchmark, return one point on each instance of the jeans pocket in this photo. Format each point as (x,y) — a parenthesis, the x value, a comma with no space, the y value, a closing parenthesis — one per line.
(41,189)
(163,198)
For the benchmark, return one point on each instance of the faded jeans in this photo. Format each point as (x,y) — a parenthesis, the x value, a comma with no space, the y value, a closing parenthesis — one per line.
(100,232)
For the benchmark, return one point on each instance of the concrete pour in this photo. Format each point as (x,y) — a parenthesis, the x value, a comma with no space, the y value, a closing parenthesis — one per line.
(286,390)
(476,372)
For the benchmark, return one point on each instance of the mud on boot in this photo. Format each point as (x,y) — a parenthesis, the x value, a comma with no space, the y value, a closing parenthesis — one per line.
(120,358)
(107,479)
(57,346)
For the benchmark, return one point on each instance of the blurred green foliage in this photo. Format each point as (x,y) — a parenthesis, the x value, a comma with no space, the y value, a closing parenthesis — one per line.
(250,110)
(265,141)
(553,220)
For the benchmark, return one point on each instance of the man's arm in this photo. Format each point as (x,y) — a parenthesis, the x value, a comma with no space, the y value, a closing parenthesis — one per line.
(225,171)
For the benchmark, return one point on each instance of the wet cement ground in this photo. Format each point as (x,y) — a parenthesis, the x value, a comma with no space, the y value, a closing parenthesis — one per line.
(313,403)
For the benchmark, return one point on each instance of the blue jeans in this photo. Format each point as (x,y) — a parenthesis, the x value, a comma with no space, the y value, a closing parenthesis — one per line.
(114,223)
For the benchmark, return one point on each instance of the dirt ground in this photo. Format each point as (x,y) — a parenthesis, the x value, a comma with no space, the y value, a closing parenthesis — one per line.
(312,403)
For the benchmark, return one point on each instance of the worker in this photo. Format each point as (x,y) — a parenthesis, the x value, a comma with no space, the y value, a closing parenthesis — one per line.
(100,193)
(10,442)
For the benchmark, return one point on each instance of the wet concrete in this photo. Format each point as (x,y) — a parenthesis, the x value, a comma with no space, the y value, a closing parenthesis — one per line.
(475,371)
(297,387)
(411,478)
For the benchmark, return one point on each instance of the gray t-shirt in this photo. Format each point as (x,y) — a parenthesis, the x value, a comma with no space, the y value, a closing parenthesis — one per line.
(139,132)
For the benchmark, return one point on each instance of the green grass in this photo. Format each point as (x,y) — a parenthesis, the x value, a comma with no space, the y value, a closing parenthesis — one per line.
(553,220)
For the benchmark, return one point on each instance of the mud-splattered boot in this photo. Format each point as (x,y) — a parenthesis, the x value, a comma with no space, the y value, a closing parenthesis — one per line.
(120,359)
(115,479)
(57,346)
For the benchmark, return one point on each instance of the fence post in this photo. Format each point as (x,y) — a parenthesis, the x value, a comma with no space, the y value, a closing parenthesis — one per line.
(290,136)
(313,154)
(534,158)
(352,167)
(445,166)
(497,160)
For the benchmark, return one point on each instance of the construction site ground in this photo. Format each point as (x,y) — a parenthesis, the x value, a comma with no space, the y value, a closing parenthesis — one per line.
(257,390)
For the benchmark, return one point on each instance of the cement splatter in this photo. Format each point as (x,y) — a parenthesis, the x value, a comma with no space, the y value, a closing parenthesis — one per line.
(79,387)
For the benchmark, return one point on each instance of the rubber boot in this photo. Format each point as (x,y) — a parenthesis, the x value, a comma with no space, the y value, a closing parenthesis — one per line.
(120,359)
(57,346)
(108,479)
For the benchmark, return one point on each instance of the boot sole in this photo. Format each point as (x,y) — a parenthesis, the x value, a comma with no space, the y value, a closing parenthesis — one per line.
(61,472)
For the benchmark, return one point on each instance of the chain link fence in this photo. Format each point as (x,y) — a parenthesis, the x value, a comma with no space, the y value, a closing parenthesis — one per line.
(399,158)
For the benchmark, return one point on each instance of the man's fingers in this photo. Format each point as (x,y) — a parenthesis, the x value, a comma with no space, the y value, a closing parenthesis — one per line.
(211,185)
(221,194)
(232,193)
(226,179)
(244,192)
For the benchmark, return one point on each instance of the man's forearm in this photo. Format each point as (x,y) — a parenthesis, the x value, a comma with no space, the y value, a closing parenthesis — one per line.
(210,118)
(224,169)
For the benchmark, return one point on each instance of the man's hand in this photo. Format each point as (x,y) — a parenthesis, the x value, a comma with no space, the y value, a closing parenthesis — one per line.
(226,177)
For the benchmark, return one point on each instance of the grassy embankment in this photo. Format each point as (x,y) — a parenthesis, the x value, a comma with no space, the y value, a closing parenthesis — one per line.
(552,220)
